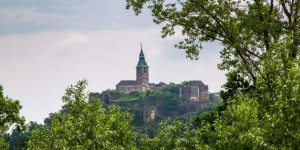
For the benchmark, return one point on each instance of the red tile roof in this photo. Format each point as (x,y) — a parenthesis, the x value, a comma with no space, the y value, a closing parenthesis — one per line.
(127,82)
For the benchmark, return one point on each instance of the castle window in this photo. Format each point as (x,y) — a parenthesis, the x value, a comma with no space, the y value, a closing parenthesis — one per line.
(145,70)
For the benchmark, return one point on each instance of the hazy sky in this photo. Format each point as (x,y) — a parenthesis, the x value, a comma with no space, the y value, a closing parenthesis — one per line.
(45,46)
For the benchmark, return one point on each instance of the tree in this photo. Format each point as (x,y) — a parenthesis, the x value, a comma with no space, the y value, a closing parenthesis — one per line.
(171,88)
(246,29)
(175,136)
(9,117)
(265,118)
(85,125)
(19,139)
(235,84)
(261,54)
(171,100)
(279,96)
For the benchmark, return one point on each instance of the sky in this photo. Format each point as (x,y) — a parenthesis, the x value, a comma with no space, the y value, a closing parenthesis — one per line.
(45,46)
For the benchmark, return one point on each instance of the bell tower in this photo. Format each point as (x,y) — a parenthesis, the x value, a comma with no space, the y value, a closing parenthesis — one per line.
(142,72)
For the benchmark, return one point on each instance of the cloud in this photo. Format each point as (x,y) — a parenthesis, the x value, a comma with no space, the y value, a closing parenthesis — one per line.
(23,16)
(72,39)
(16,15)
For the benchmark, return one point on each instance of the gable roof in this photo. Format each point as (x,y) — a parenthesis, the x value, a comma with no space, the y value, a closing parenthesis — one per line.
(127,82)
(196,82)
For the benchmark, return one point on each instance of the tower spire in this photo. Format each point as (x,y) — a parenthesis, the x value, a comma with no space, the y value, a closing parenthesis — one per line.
(142,73)
(142,61)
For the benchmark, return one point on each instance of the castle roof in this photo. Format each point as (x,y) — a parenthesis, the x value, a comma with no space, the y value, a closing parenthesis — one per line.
(127,82)
(196,82)
(142,61)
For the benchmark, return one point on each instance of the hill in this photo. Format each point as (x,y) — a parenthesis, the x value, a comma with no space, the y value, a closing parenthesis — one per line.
(153,106)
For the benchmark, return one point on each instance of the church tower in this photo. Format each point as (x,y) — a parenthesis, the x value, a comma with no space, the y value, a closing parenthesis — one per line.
(142,72)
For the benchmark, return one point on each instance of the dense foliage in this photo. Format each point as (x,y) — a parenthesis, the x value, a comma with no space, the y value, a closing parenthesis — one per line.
(19,139)
(261,54)
(166,104)
(9,117)
(247,28)
(267,118)
(84,124)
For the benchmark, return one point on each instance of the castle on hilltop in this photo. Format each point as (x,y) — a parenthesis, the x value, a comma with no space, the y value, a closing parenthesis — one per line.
(141,84)
(192,95)
(193,92)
